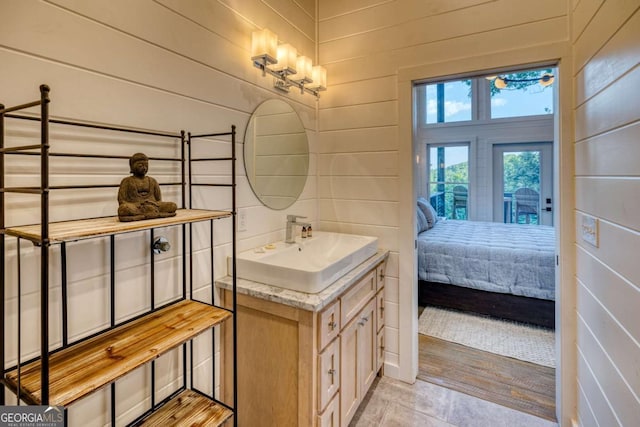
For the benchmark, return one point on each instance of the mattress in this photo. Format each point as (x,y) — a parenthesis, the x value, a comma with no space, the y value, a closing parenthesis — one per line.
(507,258)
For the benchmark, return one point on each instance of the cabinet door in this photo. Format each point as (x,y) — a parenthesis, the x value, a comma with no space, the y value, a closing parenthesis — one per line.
(367,340)
(349,389)
(358,361)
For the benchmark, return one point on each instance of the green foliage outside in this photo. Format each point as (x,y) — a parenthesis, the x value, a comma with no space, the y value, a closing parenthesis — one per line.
(521,169)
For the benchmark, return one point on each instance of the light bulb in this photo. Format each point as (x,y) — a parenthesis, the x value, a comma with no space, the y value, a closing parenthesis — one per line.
(319,77)
(547,79)
(264,46)
(287,55)
(500,83)
(303,70)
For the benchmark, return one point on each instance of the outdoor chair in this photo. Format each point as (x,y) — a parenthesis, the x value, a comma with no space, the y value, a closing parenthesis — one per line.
(527,204)
(460,195)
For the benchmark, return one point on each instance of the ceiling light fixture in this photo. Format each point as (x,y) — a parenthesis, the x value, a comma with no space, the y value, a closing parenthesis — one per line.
(283,63)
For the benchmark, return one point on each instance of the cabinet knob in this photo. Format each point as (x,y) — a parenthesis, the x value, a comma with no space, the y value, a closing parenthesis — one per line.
(331,372)
(332,325)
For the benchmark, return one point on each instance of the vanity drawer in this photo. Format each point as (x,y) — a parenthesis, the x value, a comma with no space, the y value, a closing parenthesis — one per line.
(331,416)
(329,375)
(380,274)
(358,296)
(329,324)
(380,310)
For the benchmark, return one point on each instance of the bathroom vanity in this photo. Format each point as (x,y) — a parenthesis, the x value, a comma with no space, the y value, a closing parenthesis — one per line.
(307,359)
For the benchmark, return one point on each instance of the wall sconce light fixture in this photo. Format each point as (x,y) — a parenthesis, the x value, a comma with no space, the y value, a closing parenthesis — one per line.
(283,63)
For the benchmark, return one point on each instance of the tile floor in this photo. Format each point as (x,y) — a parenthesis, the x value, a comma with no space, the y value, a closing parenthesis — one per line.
(392,403)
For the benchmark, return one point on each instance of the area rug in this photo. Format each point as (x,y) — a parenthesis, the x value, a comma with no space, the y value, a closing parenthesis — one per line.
(507,338)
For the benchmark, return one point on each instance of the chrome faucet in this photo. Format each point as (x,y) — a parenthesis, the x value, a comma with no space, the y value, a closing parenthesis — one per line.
(292,221)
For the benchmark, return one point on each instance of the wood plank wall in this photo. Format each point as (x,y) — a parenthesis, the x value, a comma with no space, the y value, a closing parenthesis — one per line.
(606,45)
(152,64)
(363,44)
(174,65)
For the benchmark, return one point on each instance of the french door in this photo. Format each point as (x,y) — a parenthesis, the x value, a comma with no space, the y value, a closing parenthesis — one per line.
(523,178)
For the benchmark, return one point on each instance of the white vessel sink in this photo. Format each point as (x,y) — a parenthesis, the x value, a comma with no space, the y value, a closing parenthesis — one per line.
(309,265)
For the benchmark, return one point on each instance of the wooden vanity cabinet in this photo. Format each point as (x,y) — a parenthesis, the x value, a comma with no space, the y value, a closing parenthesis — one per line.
(303,368)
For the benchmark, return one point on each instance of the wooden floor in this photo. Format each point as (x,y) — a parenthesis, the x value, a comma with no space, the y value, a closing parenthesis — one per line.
(513,383)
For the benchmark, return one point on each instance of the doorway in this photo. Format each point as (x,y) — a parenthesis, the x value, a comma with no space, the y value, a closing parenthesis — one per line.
(498,140)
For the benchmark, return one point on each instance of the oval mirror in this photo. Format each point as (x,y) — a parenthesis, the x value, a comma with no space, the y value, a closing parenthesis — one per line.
(276,154)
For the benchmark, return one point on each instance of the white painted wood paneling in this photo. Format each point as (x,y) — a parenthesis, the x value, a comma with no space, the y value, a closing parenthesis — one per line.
(618,296)
(358,187)
(606,61)
(359,211)
(614,153)
(333,9)
(358,140)
(359,116)
(605,369)
(621,54)
(603,413)
(585,415)
(414,23)
(609,19)
(599,195)
(163,65)
(356,66)
(609,109)
(582,14)
(358,164)
(361,92)
(387,15)
(616,247)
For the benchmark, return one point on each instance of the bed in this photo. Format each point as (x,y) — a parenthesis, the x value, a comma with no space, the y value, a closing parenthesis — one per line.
(502,270)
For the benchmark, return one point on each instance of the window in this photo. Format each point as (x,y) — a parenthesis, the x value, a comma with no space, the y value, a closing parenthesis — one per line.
(528,93)
(448,102)
(458,122)
(508,95)
(449,179)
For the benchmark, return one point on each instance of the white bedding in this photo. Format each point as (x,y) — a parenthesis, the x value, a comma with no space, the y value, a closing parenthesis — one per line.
(507,258)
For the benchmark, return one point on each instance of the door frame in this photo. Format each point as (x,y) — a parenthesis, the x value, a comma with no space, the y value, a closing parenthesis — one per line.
(559,55)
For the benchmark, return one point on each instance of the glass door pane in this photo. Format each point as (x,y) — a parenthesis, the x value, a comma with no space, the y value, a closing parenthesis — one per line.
(525,179)
(449,180)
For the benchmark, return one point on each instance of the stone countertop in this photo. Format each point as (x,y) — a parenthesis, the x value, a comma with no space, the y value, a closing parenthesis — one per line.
(302,300)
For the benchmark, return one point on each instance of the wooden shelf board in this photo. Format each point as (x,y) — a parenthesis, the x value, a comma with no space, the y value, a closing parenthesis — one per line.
(66,231)
(89,365)
(189,409)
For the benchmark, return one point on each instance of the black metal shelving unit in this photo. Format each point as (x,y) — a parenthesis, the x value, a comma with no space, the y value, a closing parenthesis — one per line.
(46,234)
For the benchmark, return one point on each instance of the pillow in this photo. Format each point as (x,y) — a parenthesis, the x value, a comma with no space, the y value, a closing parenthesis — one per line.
(428,211)
(423,224)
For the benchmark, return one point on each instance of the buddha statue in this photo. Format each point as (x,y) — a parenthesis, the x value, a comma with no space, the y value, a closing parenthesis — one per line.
(139,195)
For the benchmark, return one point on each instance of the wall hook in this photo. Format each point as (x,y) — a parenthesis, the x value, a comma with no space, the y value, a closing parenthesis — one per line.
(160,244)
